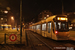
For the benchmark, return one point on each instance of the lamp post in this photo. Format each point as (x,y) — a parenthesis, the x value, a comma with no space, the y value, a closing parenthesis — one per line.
(62,8)
(12,18)
(20,21)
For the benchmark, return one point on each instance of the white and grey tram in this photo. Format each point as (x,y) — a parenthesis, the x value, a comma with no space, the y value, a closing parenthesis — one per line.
(54,27)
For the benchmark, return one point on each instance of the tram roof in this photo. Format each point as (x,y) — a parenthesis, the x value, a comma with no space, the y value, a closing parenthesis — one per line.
(37,23)
(54,16)
(43,21)
(50,18)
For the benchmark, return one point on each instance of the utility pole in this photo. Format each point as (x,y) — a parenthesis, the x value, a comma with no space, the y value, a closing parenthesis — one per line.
(23,23)
(20,21)
(62,8)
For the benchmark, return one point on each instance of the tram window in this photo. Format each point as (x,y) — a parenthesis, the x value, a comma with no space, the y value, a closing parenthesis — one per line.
(31,27)
(1,26)
(49,27)
(44,27)
(55,25)
(62,26)
(34,27)
(6,26)
(59,25)
(38,27)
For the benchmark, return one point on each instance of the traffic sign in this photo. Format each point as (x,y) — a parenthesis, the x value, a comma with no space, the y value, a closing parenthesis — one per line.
(12,37)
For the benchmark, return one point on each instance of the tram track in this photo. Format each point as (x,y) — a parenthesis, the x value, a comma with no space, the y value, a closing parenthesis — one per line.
(40,43)
(55,43)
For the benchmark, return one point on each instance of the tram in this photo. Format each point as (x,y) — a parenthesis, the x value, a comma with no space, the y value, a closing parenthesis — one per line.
(54,27)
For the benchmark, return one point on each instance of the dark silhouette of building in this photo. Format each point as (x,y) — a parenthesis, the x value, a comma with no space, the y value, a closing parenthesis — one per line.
(44,14)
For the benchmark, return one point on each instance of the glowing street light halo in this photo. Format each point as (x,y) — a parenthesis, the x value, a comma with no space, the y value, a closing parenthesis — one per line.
(5,11)
(12,17)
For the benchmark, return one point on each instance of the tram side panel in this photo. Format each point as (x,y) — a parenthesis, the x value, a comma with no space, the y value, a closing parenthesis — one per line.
(50,33)
(34,29)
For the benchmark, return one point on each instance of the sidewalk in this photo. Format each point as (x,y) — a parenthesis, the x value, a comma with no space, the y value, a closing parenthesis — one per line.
(72,35)
(72,38)
(17,41)
(16,44)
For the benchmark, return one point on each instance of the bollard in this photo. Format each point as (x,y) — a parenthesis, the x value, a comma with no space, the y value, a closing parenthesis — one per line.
(5,38)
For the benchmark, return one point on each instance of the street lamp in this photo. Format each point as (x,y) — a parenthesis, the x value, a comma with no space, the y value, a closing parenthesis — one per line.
(12,21)
(12,18)
(6,12)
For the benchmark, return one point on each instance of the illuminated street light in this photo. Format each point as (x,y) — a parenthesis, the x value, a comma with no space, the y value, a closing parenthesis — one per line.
(12,18)
(74,12)
(1,18)
(6,12)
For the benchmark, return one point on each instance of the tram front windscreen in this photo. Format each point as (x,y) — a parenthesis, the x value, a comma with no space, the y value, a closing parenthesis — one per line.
(62,26)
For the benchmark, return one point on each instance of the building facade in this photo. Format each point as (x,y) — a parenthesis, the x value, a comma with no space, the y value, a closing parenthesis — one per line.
(5,19)
(44,14)
(71,17)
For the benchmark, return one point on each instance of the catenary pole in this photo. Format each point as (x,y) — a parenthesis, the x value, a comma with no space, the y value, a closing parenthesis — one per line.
(20,21)
(62,8)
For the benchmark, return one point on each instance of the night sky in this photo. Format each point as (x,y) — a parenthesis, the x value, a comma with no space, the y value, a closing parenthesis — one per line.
(31,8)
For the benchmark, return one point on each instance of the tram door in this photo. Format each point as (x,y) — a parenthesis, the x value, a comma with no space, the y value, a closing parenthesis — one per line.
(44,29)
(49,29)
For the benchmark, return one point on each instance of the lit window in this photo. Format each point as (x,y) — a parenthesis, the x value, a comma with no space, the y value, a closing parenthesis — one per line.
(44,17)
(5,11)
(6,19)
(47,15)
(1,18)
